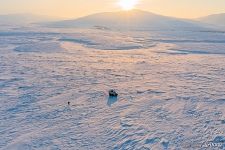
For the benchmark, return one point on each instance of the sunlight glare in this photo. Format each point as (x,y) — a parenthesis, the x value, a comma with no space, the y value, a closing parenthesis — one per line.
(128,4)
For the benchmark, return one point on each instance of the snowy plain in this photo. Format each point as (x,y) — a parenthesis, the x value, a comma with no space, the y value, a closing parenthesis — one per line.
(171,87)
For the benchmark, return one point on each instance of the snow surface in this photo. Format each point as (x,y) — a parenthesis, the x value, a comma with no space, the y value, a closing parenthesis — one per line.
(171,89)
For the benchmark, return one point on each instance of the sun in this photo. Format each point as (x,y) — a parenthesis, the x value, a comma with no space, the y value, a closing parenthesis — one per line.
(127,4)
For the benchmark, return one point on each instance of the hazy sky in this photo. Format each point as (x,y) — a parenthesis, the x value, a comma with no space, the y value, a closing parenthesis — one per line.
(78,8)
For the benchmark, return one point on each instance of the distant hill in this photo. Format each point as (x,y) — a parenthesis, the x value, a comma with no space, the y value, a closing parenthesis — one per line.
(17,19)
(216,19)
(134,19)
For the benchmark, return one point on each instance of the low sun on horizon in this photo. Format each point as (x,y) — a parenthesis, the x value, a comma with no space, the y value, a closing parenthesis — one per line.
(128,4)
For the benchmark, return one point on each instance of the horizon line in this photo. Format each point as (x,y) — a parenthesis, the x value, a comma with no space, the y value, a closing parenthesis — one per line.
(69,18)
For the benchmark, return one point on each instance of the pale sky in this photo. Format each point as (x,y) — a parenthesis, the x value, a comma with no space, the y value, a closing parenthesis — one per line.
(78,8)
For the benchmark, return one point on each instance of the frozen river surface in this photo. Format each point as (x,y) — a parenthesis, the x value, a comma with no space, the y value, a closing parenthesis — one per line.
(171,89)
